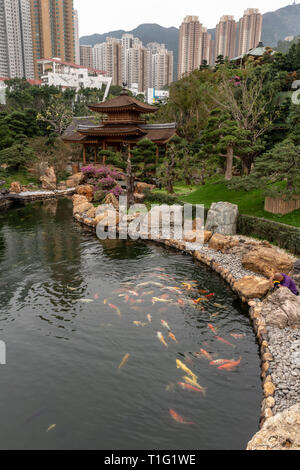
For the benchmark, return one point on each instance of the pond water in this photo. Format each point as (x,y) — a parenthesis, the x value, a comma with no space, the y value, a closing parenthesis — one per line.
(62,388)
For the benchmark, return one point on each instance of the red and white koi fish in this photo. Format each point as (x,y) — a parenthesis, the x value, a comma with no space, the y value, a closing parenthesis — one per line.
(165,324)
(212,328)
(178,418)
(112,306)
(209,296)
(220,362)
(224,341)
(237,336)
(189,387)
(230,365)
(205,354)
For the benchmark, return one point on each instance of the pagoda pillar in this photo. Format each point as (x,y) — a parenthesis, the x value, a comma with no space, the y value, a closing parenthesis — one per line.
(84,154)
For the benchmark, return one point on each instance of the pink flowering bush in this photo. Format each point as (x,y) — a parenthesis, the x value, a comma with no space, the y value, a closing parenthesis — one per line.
(103,180)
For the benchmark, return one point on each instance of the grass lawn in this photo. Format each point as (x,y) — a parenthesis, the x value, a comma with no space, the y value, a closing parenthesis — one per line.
(250,203)
(22,176)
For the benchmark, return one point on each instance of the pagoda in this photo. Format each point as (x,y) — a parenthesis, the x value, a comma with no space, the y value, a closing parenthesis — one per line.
(122,124)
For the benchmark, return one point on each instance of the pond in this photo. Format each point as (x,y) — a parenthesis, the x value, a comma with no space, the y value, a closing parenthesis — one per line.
(72,307)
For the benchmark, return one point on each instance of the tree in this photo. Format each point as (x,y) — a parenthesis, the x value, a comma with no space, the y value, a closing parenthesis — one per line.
(224,137)
(282,163)
(144,159)
(58,115)
(167,171)
(16,156)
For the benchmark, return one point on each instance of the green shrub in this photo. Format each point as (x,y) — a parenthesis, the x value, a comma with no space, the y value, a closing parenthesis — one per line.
(284,236)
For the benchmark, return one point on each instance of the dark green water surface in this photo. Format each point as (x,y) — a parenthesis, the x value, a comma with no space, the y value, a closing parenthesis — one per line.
(63,353)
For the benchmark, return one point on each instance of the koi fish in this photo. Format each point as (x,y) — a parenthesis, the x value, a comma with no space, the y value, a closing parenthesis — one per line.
(181,365)
(133,292)
(139,323)
(237,336)
(151,292)
(149,318)
(96,297)
(187,285)
(165,324)
(201,299)
(224,341)
(157,299)
(164,296)
(209,296)
(71,288)
(205,354)
(220,362)
(212,328)
(202,291)
(112,306)
(51,427)
(220,306)
(150,283)
(230,365)
(180,301)
(173,337)
(85,301)
(194,383)
(174,289)
(124,360)
(162,339)
(188,387)
(178,418)
(105,301)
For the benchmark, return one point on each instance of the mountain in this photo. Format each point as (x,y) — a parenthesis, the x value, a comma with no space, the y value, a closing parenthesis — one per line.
(276,26)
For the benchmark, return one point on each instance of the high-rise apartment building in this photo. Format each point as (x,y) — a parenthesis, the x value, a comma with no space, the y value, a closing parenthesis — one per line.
(206,44)
(107,56)
(138,58)
(225,43)
(76,38)
(161,66)
(86,56)
(250,29)
(190,45)
(16,59)
(52,30)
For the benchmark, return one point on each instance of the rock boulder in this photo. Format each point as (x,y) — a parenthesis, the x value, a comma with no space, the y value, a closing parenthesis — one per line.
(48,180)
(267,261)
(282,309)
(222,218)
(296,273)
(85,190)
(252,287)
(222,243)
(15,187)
(142,187)
(281,432)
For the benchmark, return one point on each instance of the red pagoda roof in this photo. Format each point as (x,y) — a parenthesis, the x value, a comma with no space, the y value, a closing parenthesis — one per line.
(124,102)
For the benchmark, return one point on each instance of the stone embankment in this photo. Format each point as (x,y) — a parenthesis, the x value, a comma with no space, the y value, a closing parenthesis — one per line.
(246,264)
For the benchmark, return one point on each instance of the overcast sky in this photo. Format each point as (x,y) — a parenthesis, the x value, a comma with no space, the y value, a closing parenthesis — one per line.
(100,16)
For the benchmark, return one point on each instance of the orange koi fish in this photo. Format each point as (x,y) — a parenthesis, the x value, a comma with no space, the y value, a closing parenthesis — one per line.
(230,365)
(202,291)
(105,301)
(149,318)
(124,360)
(115,308)
(201,299)
(187,285)
(173,337)
(162,339)
(220,362)
(237,336)
(139,323)
(178,418)
(224,341)
(181,302)
(189,387)
(212,328)
(205,354)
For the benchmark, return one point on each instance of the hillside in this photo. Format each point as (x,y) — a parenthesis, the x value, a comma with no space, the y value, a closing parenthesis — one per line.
(276,26)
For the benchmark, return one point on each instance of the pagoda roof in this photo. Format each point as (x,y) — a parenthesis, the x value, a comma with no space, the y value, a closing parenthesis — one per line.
(124,102)
(85,131)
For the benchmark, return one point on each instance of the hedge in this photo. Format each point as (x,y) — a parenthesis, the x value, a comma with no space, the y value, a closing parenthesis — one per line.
(284,236)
